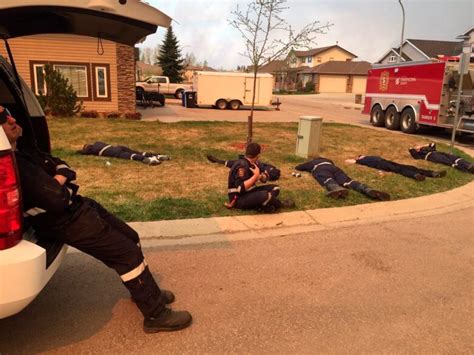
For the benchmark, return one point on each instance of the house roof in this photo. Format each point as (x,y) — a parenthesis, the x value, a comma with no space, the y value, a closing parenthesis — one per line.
(198,67)
(433,48)
(468,31)
(340,68)
(274,66)
(312,52)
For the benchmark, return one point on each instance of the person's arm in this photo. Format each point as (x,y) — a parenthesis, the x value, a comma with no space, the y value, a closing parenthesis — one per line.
(42,190)
(253,179)
(64,170)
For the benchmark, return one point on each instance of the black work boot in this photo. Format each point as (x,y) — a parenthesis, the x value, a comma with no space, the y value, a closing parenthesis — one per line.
(378,195)
(471,168)
(167,321)
(213,159)
(288,203)
(335,190)
(168,296)
(419,177)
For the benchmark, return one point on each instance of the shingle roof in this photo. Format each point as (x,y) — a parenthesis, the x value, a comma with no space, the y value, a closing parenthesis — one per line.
(199,67)
(274,66)
(340,67)
(315,51)
(434,48)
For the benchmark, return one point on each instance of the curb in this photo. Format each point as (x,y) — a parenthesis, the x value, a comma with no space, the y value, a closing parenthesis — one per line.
(225,229)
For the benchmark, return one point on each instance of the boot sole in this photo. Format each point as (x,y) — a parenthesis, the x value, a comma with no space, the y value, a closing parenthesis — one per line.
(151,330)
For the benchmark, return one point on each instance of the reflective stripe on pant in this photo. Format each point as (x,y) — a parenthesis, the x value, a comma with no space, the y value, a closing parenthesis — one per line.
(259,197)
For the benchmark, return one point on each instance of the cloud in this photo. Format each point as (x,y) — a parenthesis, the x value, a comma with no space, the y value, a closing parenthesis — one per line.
(367,28)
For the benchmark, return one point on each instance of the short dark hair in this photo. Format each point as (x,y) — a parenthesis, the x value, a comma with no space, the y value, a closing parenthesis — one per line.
(252,150)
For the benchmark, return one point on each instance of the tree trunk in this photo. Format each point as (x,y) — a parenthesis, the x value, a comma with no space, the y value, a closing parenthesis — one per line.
(250,118)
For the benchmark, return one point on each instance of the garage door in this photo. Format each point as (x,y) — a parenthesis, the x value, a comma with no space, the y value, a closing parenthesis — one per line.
(332,83)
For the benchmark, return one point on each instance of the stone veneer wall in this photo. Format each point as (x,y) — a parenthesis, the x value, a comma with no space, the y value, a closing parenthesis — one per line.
(126,78)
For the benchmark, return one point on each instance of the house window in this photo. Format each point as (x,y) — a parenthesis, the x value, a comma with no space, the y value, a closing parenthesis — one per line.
(309,59)
(101,82)
(331,58)
(76,76)
(318,59)
(39,82)
(392,59)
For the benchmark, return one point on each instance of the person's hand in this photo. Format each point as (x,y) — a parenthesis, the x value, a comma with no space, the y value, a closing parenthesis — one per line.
(68,173)
(255,169)
(263,178)
(60,179)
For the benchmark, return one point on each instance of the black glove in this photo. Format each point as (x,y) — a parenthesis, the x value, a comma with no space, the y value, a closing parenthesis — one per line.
(67,172)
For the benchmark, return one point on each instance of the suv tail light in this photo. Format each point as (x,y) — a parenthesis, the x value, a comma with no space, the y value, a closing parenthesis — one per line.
(10,202)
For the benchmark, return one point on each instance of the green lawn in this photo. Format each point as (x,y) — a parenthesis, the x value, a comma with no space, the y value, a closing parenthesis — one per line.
(189,186)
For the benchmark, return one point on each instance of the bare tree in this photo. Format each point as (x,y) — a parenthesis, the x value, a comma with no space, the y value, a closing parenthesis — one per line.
(268,36)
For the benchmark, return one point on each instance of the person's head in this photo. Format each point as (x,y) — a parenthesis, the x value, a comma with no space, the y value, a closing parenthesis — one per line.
(12,130)
(252,152)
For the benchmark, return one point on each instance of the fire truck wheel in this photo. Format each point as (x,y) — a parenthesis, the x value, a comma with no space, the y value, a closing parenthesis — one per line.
(221,104)
(377,116)
(408,121)
(392,118)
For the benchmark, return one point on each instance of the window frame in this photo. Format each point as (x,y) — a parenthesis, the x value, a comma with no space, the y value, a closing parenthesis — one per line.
(34,63)
(392,59)
(35,78)
(97,97)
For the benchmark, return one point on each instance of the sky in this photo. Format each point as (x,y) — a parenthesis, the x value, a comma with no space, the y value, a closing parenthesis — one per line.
(367,28)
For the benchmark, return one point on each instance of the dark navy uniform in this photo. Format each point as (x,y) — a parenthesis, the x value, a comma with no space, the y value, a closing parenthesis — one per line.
(271,172)
(409,171)
(334,178)
(57,211)
(262,198)
(429,153)
(116,151)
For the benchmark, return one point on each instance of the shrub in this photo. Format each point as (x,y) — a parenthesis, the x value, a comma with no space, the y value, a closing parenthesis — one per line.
(113,114)
(309,87)
(60,98)
(299,86)
(133,115)
(90,114)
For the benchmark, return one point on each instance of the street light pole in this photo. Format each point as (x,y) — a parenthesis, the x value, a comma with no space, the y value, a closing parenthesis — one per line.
(403,30)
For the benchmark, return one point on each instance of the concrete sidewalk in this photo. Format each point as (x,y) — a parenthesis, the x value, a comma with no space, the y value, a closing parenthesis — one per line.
(224,229)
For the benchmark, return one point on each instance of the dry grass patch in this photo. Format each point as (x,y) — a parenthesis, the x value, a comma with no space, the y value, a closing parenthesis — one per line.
(189,186)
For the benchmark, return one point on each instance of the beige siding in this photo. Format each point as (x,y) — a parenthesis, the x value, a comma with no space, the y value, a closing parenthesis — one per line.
(67,48)
(358,85)
(334,53)
(332,83)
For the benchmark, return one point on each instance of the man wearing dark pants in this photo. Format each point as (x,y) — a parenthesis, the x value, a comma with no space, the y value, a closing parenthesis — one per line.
(242,190)
(409,171)
(429,152)
(55,210)
(336,181)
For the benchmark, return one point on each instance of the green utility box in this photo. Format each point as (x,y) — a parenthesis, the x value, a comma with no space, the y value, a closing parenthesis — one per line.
(309,136)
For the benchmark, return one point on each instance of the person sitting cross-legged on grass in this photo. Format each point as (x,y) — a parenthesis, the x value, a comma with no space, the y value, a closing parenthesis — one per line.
(268,172)
(429,152)
(242,189)
(409,171)
(335,180)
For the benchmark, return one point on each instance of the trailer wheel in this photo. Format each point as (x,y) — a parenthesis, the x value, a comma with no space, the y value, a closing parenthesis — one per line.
(377,116)
(221,104)
(179,94)
(234,105)
(392,118)
(408,121)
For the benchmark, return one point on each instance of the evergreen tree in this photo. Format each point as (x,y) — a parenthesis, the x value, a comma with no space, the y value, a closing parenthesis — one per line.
(170,58)
(60,98)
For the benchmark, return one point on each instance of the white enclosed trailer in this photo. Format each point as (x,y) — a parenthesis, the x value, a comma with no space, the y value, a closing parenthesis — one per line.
(231,90)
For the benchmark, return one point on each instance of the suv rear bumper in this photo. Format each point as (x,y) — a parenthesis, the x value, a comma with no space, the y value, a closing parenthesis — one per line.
(23,274)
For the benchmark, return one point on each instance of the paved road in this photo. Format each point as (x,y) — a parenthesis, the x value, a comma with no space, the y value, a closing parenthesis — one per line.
(400,286)
(332,107)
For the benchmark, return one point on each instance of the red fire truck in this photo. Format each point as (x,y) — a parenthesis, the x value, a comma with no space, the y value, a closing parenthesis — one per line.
(409,95)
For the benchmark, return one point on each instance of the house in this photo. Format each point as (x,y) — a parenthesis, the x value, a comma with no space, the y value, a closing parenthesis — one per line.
(300,67)
(421,49)
(102,72)
(144,70)
(469,41)
(317,56)
(337,77)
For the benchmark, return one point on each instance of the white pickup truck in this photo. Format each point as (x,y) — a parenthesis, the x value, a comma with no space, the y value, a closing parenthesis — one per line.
(162,85)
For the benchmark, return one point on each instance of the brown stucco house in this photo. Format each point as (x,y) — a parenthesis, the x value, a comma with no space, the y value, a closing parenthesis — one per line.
(101,72)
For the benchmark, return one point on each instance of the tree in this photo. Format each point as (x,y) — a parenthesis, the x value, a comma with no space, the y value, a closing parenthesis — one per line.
(189,59)
(268,36)
(170,58)
(146,55)
(60,98)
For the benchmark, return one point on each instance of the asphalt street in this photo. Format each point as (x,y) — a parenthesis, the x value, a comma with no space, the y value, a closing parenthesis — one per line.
(399,286)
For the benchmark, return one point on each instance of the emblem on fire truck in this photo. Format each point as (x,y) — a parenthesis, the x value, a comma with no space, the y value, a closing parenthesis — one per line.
(383,86)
